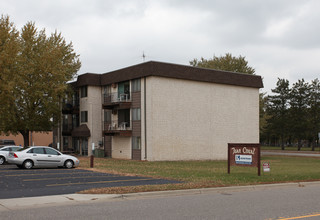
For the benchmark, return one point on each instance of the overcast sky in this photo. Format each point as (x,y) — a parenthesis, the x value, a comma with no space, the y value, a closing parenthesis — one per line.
(279,38)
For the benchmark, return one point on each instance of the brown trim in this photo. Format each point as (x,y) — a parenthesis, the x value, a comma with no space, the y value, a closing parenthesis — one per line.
(136,128)
(81,131)
(125,133)
(136,154)
(154,68)
(88,79)
(108,146)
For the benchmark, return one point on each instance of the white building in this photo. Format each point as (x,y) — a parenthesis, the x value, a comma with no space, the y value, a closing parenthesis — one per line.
(158,111)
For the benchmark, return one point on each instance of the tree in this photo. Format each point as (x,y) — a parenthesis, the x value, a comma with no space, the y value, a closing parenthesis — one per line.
(263,115)
(9,49)
(299,96)
(37,79)
(226,63)
(314,110)
(277,110)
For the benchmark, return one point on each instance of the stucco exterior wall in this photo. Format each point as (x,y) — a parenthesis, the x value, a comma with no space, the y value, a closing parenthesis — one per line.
(189,120)
(92,103)
(121,147)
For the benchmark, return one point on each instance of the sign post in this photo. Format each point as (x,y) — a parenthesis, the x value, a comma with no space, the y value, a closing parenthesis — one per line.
(92,156)
(244,155)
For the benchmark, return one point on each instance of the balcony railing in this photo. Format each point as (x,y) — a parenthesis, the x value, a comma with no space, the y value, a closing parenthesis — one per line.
(116,97)
(69,108)
(118,128)
(119,100)
(66,129)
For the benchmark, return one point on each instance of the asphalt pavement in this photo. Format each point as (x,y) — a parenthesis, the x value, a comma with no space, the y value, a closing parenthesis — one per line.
(19,183)
(76,199)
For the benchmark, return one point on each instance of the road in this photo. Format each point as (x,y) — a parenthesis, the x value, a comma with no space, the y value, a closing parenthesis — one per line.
(262,202)
(290,153)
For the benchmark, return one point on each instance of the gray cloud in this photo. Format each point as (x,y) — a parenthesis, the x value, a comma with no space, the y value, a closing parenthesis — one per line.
(278,38)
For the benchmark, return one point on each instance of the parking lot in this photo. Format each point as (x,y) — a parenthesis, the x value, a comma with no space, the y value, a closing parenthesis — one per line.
(18,183)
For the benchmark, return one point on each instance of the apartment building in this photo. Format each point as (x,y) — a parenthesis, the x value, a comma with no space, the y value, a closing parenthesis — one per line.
(159,111)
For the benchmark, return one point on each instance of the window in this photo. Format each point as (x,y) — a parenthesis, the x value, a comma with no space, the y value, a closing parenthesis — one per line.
(136,143)
(107,116)
(51,151)
(107,90)
(75,121)
(84,116)
(36,151)
(75,98)
(84,91)
(136,85)
(136,114)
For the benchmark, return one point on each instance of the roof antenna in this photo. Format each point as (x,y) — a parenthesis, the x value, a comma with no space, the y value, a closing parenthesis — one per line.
(143,56)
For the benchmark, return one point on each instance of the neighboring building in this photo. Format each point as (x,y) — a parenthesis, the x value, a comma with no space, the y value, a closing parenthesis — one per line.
(158,111)
(35,138)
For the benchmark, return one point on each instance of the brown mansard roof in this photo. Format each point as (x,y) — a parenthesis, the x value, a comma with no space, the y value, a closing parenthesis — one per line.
(153,68)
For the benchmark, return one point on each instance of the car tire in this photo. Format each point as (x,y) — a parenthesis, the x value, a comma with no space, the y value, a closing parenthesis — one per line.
(28,164)
(2,160)
(68,164)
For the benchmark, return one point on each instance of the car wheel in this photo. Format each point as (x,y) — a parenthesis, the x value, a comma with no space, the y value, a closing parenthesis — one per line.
(2,160)
(28,164)
(68,164)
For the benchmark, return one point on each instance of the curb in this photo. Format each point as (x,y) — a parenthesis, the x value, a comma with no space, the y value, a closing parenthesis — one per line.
(67,199)
(217,190)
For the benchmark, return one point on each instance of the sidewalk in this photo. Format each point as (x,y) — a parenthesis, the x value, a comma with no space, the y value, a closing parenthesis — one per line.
(70,199)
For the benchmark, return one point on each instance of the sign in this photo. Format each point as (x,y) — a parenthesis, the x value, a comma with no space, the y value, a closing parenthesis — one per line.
(266,167)
(244,155)
(243,159)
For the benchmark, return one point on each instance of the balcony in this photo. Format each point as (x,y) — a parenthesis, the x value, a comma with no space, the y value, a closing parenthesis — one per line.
(66,129)
(69,108)
(112,128)
(117,101)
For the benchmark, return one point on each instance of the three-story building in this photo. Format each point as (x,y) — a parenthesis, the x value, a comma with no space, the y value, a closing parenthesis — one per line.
(159,111)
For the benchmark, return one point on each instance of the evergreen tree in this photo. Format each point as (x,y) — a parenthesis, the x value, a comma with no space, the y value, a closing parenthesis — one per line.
(314,111)
(277,110)
(299,96)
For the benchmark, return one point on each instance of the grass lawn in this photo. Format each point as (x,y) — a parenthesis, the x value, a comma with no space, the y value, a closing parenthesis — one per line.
(199,174)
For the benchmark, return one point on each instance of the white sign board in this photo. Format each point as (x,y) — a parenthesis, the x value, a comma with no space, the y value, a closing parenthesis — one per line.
(266,167)
(243,159)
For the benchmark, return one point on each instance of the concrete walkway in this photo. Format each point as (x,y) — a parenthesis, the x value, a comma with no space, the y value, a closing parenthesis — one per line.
(70,199)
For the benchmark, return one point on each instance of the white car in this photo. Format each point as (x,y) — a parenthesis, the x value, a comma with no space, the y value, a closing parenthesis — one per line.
(4,152)
(40,156)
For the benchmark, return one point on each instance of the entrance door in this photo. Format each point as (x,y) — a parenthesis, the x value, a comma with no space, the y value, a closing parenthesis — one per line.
(84,147)
(76,145)
(124,91)
(124,118)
